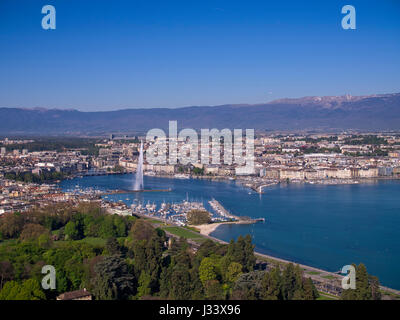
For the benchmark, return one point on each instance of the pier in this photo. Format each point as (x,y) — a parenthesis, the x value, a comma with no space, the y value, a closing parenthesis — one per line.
(218,207)
(259,187)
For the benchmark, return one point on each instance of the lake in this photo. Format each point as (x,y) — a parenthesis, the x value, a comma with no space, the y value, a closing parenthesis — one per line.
(324,226)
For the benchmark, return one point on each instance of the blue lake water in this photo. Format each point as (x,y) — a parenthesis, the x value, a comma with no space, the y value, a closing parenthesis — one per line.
(325,226)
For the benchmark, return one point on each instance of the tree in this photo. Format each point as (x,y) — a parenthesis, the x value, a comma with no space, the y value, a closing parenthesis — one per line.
(11,225)
(242,252)
(29,290)
(233,272)
(118,168)
(112,246)
(141,230)
(74,270)
(249,286)
(144,288)
(207,248)
(10,290)
(61,281)
(213,290)
(363,288)
(146,245)
(197,292)
(107,229)
(291,282)
(71,230)
(180,283)
(207,270)
(6,272)
(153,253)
(271,285)
(44,240)
(198,171)
(196,217)
(165,283)
(113,279)
(375,288)
(119,226)
(32,231)
(310,292)
(367,287)
(248,249)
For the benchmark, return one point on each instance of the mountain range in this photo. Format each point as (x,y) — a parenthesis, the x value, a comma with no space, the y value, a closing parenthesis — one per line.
(364,113)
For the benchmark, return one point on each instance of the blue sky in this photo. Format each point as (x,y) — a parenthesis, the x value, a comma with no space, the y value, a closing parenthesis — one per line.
(107,55)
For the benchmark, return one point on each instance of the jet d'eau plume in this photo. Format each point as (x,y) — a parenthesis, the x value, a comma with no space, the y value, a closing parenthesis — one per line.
(139,172)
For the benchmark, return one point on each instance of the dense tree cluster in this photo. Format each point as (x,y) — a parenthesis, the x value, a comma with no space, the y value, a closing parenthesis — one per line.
(196,217)
(365,139)
(118,257)
(44,176)
(59,144)
(46,236)
(28,290)
(275,285)
(367,286)
(198,171)
(64,222)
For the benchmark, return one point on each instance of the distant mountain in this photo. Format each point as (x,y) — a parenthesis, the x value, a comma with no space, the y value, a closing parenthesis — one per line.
(374,112)
(328,101)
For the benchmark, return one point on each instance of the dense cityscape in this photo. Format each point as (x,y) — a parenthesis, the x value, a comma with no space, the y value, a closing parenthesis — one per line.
(26,174)
(30,181)
(30,184)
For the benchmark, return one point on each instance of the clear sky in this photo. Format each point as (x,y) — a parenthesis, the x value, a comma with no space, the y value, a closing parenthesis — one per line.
(107,55)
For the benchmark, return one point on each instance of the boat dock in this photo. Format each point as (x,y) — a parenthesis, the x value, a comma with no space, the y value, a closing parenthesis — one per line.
(219,208)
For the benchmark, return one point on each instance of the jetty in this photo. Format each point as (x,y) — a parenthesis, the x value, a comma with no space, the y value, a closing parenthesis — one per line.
(259,187)
(219,208)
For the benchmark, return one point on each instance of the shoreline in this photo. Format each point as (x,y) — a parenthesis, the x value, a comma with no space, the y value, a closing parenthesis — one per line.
(207,229)
(319,275)
(245,182)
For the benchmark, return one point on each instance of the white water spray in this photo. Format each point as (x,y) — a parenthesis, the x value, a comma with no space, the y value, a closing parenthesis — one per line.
(139,171)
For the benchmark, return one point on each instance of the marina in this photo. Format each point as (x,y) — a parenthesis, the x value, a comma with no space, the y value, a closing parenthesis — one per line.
(172,212)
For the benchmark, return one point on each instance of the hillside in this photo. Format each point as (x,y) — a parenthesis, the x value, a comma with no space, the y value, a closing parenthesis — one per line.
(375,112)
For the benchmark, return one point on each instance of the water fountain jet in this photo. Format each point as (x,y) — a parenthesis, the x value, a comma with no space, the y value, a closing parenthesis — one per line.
(139,171)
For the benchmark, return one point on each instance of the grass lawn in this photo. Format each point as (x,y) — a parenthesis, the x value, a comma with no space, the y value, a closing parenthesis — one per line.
(328,277)
(98,242)
(154,221)
(192,228)
(313,273)
(181,232)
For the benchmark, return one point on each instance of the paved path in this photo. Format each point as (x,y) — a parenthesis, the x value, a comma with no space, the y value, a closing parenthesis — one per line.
(328,282)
